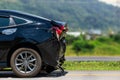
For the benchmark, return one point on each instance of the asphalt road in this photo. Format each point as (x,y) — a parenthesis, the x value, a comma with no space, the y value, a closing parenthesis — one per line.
(94,58)
(68,75)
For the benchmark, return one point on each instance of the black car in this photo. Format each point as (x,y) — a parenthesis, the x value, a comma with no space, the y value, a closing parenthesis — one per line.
(30,44)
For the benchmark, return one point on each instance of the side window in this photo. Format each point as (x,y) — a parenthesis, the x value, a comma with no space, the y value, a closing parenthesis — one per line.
(4,21)
(19,21)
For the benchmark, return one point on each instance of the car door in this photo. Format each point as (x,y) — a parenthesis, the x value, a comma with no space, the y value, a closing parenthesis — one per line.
(7,34)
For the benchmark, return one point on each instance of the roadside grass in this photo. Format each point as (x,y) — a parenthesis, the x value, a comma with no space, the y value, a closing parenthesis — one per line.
(101,49)
(92,66)
(102,46)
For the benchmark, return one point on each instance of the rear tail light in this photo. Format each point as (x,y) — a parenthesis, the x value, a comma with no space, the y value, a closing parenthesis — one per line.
(58,30)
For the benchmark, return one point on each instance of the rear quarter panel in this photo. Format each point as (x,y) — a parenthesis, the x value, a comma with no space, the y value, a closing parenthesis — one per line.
(38,33)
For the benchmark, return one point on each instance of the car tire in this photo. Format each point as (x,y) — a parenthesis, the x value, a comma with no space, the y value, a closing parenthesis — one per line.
(26,62)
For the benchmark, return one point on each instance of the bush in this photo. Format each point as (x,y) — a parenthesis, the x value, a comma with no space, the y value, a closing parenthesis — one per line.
(104,39)
(81,45)
(117,38)
(70,39)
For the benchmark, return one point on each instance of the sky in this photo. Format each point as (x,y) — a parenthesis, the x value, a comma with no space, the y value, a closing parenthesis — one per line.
(112,2)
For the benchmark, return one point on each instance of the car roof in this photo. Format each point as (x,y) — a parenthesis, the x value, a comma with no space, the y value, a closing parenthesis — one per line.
(23,15)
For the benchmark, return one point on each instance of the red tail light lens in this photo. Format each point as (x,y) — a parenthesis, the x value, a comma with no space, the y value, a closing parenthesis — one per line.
(58,30)
(62,27)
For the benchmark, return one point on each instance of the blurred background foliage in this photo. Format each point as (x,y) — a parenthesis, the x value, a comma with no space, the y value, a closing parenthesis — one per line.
(80,14)
(103,45)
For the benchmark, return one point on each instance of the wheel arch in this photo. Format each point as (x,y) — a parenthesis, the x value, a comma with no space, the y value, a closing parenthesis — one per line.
(23,44)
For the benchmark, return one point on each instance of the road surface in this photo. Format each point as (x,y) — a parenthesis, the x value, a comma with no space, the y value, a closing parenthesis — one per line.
(68,75)
(94,58)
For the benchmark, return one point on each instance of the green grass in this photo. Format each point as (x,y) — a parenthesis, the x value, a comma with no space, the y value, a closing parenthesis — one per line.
(101,49)
(83,66)
(102,46)
(5,69)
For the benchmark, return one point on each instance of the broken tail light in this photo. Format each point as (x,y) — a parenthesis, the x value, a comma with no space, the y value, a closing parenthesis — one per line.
(59,30)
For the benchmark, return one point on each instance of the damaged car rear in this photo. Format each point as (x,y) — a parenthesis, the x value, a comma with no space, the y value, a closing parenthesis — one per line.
(30,43)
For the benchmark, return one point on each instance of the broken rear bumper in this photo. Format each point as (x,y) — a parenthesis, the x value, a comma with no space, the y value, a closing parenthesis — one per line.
(52,51)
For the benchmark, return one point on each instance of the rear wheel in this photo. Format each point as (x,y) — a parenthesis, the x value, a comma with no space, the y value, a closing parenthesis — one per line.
(26,62)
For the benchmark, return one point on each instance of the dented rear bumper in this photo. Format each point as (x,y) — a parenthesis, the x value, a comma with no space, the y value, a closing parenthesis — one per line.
(52,51)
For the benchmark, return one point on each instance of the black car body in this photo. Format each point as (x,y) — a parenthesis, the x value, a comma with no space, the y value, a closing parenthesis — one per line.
(22,33)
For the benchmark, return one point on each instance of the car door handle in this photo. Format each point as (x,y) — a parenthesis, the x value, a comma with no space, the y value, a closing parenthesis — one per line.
(9,31)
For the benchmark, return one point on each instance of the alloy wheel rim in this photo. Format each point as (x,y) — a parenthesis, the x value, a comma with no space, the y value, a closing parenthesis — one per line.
(25,62)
